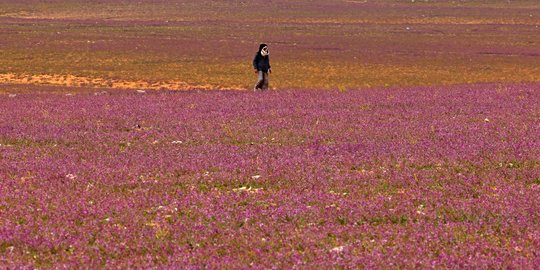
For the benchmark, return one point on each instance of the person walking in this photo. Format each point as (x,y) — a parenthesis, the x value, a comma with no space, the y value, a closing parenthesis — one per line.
(261,64)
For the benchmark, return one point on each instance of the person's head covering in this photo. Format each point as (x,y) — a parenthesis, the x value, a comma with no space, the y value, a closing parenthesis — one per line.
(263,49)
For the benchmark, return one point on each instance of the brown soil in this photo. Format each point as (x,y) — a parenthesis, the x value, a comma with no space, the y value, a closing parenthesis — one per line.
(79,81)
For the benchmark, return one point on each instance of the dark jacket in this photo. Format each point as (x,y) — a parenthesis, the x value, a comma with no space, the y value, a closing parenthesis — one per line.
(261,63)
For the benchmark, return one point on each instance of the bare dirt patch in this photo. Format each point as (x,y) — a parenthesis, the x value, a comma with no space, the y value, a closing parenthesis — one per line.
(80,81)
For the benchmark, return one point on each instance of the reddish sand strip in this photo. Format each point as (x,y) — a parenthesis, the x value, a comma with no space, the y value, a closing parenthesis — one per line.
(80,81)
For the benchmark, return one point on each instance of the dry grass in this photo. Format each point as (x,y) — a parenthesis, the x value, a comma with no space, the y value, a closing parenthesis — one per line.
(321,44)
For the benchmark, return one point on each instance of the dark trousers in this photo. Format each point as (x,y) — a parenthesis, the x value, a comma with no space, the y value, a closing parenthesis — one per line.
(262,81)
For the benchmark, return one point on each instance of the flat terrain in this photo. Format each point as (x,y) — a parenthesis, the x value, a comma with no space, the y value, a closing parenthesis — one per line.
(314,44)
(423,177)
(405,134)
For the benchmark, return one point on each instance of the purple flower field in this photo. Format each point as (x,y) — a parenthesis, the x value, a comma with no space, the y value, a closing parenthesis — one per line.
(425,177)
